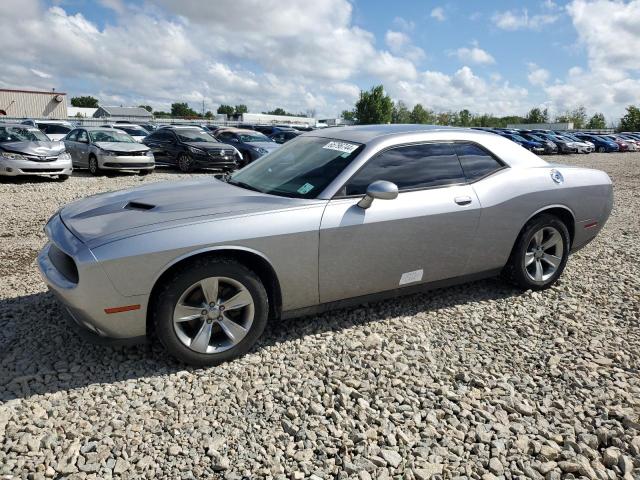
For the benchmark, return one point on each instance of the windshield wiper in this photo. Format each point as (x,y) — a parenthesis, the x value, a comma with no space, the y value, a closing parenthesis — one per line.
(243,185)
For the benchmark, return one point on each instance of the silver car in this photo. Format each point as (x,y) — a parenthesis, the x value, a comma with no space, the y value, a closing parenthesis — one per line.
(333,217)
(25,150)
(105,148)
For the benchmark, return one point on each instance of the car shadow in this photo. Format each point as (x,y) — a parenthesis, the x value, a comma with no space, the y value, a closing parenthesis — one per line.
(40,353)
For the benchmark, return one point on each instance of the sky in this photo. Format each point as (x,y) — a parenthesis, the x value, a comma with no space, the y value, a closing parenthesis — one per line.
(500,57)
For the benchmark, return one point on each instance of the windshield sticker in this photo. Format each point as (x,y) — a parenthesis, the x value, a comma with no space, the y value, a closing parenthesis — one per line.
(341,147)
(306,188)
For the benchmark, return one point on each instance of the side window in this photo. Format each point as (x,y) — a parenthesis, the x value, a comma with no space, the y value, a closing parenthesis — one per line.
(225,137)
(476,162)
(410,167)
(58,129)
(82,136)
(72,136)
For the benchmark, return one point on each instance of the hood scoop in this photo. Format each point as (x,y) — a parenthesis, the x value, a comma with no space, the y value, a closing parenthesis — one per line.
(139,206)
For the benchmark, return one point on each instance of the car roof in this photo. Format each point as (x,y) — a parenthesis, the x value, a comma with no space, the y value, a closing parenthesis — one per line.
(238,130)
(367,133)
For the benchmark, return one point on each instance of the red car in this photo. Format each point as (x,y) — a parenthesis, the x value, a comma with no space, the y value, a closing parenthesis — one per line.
(623,145)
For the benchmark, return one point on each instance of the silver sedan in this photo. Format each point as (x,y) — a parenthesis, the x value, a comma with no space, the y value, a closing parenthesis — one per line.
(104,148)
(332,218)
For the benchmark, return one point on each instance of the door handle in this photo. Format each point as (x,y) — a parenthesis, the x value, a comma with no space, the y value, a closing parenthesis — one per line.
(462,200)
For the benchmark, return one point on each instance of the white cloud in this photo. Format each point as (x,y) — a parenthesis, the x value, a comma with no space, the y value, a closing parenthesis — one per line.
(474,54)
(438,14)
(39,73)
(537,76)
(404,24)
(519,20)
(400,44)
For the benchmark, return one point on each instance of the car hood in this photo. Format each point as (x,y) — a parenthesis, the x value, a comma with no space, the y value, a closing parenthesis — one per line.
(208,145)
(111,216)
(269,146)
(122,147)
(43,149)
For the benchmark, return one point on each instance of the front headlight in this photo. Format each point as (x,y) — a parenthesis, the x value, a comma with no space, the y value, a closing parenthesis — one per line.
(64,156)
(108,153)
(13,156)
(149,153)
(197,151)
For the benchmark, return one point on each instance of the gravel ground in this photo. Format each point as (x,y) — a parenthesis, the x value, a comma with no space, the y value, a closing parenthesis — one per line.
(475,381)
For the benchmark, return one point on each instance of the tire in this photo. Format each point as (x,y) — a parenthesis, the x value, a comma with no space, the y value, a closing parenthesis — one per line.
(63,178)
(602,149)
(533,268)
(204,339)
(94,168)
(246,159)
(185,163)
(145,172)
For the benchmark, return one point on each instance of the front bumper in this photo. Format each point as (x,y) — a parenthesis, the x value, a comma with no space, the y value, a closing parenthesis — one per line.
(223,163)
(13,168)
(126,162)
(91,295)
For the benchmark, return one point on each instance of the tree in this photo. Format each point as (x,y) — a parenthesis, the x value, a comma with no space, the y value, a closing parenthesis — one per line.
(630,122)
(400,113)
(208,115)
(577,116)
(420,115)
(182,110)
(226,110)
(374,106)
(84,102)
(597,121)
(537,115)
(278,111)
(240,109)
(464,118)
(349,115)
(146,107)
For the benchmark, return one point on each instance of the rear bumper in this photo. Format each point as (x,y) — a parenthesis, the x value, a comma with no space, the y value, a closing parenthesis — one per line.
(90,297)
(13,168)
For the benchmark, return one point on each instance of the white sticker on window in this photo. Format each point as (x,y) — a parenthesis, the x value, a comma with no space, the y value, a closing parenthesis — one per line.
(306,188)
(341,146)
(410,277)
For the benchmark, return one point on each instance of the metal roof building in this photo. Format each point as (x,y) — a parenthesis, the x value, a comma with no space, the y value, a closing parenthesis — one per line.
(125,113)
(32,104)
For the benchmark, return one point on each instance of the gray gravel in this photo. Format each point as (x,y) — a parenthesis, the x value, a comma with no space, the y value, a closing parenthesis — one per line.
(475,381)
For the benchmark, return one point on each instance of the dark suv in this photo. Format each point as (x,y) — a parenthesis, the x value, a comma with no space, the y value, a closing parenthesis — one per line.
(189,148)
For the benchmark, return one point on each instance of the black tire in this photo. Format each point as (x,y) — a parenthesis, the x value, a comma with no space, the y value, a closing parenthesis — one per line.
(246,159)
(516,272)
(602,149)
(185,163)
(170,292)
(142,173)
(63,178)
(94,167)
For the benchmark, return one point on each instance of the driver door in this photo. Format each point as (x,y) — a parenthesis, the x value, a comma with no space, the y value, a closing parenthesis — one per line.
(423,235)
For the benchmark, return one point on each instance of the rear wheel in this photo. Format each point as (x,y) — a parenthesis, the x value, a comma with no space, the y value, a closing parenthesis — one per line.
(185,163)
(94,168)
(540,254)
(210,311)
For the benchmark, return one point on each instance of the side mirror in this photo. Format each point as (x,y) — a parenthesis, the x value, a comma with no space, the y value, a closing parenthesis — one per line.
(379,189)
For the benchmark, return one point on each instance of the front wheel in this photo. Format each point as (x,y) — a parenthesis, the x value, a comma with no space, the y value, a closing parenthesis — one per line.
(540,254)
(602,149)
(94,168)
(210,311)
(185,163)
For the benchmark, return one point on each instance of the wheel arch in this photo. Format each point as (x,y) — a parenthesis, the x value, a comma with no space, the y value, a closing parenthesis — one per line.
(564,213)
(252,259)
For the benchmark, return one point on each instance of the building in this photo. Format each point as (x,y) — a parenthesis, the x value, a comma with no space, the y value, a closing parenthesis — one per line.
(335,122)
(263,118)
(33,104)
(541,126)
(123,113)
(81,112)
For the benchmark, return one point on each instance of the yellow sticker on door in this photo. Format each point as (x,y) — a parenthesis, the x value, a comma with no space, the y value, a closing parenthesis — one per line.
(411,277)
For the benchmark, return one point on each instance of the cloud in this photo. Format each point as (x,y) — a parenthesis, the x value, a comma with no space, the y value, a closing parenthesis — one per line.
(537,76)
(520,20)
(473,54)
(400,44)
(39,73)
(438,14)
(403,24)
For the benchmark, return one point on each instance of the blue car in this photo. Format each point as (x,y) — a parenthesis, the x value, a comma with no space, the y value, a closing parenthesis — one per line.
(602,144)
(535,147)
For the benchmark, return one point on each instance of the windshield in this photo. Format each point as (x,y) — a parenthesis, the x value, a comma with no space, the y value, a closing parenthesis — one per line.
(137,131)
(534,137)
(195,135)
(301,168)
(110,136)
(518,137)
(253,137)
(22,134)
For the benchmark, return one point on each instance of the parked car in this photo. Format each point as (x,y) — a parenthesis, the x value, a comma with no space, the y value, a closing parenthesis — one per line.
(368,213)
(251,144)
(190,148)
(530,145)
(550,148)
(584,146)
(633,141)
(602,144)
(564,144)
(623,145)
(101,149)
(26,150)
(283,137)
(272,129)
(56,130)
(135,131)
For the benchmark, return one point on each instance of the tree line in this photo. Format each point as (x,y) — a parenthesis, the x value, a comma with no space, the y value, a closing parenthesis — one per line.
(375,106)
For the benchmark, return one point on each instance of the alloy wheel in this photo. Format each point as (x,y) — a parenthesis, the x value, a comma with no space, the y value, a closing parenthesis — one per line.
(185,163)
(213,315)
(93,165)
(544,254)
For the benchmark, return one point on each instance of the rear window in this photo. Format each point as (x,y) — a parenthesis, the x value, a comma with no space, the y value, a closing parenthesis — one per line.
(476,162)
